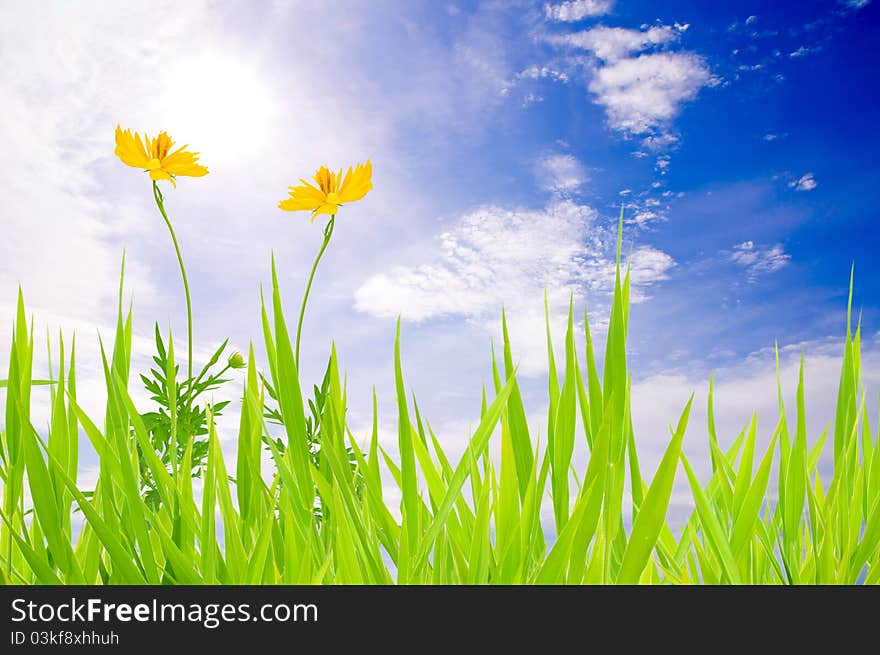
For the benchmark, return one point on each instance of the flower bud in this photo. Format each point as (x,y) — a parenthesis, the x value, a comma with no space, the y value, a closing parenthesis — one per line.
(236,360)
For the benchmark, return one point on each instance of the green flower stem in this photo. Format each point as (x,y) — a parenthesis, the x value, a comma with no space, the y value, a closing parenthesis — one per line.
(157,194)
(328,232)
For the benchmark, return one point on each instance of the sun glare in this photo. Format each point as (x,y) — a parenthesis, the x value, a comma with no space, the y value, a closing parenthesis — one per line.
(217,105)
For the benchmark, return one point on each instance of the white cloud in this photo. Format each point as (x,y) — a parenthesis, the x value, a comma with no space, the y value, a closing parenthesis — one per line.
(757,259)
(488,253)
(750,20)
(660,142)
(643,217)
(646,93)
(613,43)
(856,4)
(560,173)
(641,94)
(643,211)
(494,257)
(803,51)
(575,10)
(805,183)
(535,72)
(648,265)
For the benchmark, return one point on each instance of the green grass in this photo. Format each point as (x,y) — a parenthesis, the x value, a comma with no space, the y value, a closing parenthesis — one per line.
(474,521)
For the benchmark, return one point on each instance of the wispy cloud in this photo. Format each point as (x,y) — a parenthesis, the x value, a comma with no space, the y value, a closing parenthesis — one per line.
(489,257)
(575,10)
(535,72)
(803,51)
(641,92)
(758,260)
(646,209)
(494,257)
(613,43)
(561,173)
(804,183)
(644,94)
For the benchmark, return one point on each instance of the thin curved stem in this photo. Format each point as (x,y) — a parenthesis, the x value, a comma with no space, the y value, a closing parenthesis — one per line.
(157,194)
(328,232)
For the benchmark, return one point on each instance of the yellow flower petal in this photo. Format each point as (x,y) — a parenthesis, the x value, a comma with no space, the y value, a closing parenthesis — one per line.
(326,208)
(332,190)
(307,191)
(130,149)
(357,183)
(322,179)
(159,174)
(297,204)
(162,145)
(185,168)
(303,197)
(181,162)
(155,156)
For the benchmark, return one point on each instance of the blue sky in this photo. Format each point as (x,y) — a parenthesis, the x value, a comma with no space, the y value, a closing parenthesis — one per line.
(741,138)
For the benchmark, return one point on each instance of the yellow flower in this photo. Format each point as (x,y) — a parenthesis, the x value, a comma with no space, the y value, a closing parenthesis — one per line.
(154,155)
(332,191)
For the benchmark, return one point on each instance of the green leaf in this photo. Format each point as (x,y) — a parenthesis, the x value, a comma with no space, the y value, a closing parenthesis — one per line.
(652,512)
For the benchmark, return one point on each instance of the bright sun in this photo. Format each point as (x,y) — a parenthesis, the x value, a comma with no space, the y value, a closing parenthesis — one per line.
(217,106)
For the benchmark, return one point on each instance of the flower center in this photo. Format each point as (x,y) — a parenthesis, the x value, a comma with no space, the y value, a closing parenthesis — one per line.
(333,198)
(153,164)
